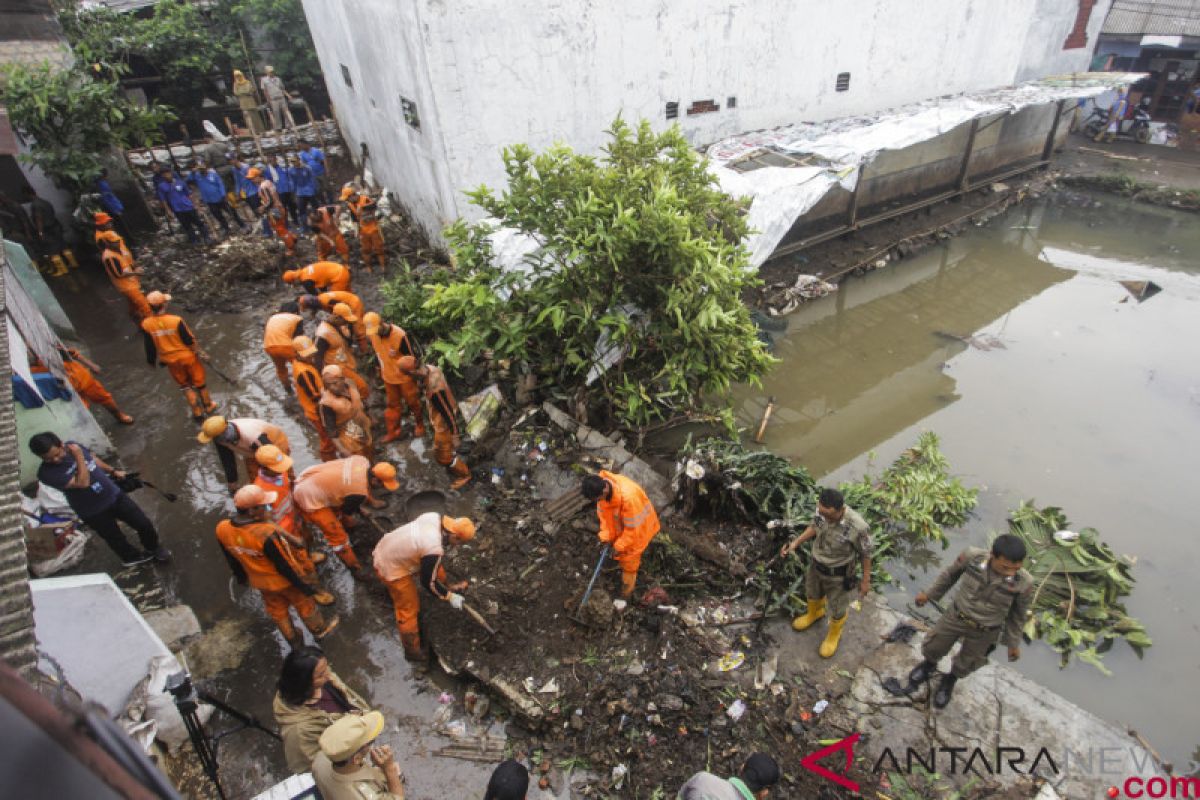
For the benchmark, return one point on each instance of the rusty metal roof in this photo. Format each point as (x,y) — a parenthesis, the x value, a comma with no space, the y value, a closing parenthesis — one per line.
(1156,17)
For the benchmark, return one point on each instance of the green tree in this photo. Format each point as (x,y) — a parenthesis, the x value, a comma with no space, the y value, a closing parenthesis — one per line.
(72,120)
(641,269)
(282,38)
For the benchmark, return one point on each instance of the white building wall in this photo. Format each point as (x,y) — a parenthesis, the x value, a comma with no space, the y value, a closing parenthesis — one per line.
(383,45)
(499,72)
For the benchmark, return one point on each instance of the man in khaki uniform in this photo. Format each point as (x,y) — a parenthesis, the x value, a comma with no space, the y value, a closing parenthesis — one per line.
(992,600)
(340,770)
(841,538)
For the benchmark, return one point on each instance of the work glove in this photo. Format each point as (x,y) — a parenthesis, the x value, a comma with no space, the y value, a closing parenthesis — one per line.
(456,601)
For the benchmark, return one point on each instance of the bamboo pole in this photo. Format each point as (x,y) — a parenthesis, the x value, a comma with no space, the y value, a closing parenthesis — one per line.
(762,426)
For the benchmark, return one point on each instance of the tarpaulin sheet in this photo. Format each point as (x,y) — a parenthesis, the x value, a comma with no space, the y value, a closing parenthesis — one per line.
(781,195)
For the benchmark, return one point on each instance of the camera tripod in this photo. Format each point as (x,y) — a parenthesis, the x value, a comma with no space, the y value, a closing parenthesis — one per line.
(187,700)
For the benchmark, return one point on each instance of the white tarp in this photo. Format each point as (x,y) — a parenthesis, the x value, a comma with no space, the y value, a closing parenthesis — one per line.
(781,195)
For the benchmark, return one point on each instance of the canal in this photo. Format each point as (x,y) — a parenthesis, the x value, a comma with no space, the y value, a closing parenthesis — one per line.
(1045,379)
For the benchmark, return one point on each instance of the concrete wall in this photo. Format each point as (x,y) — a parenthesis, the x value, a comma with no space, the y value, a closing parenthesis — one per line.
(383,44)
(486,74)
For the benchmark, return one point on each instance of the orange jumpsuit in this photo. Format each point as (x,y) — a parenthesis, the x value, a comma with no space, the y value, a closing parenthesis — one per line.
(628,522)
(326,276)
(401,389)
(330,299)
(251,433)
(443,416)
(119,269)
(320,492)
(246,543)
(90,390)
(118,240)
(329,238)
(309,387)
(338,352)
(370,238)
(172,343)
(347,423)
(268,197)
(397,561)
(280,329)
(284,515)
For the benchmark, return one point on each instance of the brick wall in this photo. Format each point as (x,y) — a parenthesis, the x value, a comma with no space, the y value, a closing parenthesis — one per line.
(33,53)
(16,606)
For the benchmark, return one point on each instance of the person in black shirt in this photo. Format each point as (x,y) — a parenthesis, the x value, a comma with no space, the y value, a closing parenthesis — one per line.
(87,483)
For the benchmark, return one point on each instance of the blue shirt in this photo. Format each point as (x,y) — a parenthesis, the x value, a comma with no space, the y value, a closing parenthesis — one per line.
(108,198)
(281,179)
(241,184)
(175,194)
(212,188)
(304,181)
(97,497)
(315,160)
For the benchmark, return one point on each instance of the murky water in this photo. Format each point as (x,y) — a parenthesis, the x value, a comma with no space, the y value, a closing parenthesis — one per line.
(365,650)
(1073,394)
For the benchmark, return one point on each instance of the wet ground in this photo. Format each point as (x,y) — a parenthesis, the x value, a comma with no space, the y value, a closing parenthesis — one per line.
(365,649)
(1068,391)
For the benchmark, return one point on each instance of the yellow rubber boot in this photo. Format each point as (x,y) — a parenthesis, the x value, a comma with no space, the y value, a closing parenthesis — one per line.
(830,645)
(69,256)
(58,266)
(816,610)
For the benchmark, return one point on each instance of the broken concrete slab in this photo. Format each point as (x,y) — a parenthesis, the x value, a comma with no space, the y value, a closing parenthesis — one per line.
(175,625)
(1080,754)
(657,488)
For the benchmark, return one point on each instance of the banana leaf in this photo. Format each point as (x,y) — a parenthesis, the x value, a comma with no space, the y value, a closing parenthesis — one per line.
(1077,607)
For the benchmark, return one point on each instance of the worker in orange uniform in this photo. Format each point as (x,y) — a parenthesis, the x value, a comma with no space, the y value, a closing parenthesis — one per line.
(332,339)
(628,520)
(275,476)
(260,554)
(240,437)
(442,409)
(320,276)
(330,495)
(370,238)
(282,327)
(413,553)
(324,223)
(391,343)
(170,342)
(124,274)
(343,416)
(79,369)
(308,391)
(327,301)
(270,205)
(106,232)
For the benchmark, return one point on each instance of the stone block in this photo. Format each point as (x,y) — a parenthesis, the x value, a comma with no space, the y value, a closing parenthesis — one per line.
(175,625)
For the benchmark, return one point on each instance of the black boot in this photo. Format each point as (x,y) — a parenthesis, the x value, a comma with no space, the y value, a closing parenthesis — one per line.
(919,675)
(946,688)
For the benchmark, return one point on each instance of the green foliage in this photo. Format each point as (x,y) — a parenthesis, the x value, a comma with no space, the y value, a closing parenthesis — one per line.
(911,500)
(1076,607)
(73,120)
(641,259)
(188,44)
(916,492)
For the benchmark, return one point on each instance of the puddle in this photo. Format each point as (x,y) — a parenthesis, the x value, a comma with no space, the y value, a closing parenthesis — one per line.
(1045,378)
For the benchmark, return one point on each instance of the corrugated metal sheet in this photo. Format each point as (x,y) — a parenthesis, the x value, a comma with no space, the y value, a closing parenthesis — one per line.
(16,608)
(1158,17)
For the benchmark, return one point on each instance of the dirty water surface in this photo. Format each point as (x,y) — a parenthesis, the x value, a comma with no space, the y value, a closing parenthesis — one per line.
(1045,378)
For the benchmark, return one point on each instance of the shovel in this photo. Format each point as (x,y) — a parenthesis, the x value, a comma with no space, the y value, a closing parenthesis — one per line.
(475,615)
(578,615)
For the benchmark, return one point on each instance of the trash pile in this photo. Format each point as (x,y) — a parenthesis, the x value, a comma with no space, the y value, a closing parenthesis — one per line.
(1076,607)
(635,695)
(232,275)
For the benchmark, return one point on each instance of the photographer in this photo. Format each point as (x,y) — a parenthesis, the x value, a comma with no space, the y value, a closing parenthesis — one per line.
(88,484)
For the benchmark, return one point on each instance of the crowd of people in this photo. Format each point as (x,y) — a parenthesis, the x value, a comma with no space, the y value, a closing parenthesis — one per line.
(288,516)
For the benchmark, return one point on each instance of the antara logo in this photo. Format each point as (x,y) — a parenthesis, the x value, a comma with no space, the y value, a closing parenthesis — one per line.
(809,762)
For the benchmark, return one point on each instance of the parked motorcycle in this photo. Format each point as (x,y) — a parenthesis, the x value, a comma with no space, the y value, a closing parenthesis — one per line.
(1137,127)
